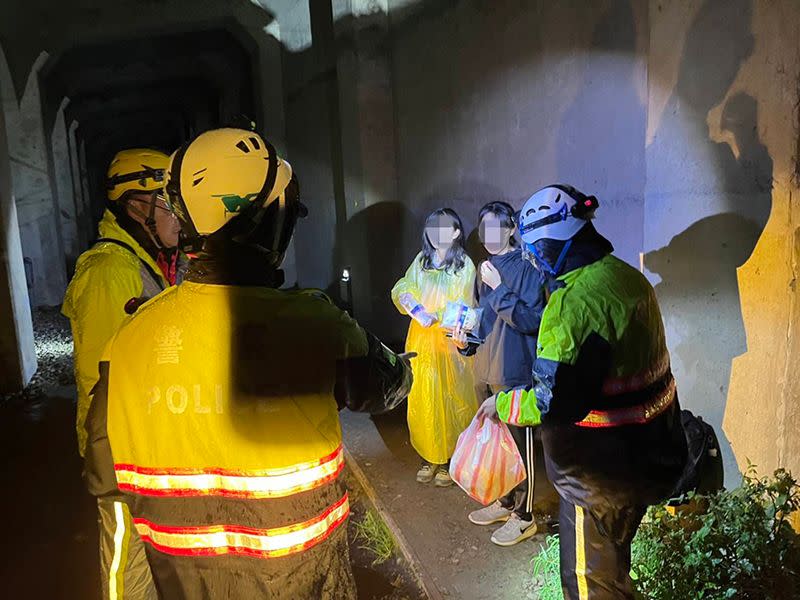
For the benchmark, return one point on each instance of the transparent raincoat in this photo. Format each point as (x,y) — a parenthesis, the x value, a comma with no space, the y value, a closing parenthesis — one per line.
(442,401)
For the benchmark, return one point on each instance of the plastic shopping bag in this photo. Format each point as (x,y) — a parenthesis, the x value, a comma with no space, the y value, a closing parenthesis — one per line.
(486,463)
(456,313)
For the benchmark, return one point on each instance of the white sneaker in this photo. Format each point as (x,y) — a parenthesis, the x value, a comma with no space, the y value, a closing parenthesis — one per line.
(514,531)
(494,513)
(426,473)
(442,477)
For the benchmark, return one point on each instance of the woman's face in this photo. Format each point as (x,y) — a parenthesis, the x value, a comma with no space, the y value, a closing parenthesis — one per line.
(442,233)
(494,235)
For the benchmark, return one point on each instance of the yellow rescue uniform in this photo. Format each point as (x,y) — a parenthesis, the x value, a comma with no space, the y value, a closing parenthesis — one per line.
(224,437)
(106,277)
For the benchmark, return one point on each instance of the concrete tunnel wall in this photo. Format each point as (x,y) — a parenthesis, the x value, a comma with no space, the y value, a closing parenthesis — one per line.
(720,228)
(679,115)
(17,354)
(37,213)
(53,225)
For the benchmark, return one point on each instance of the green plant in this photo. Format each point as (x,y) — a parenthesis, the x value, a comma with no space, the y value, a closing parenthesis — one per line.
(740,545)
(546,570)
(376,537)
(735,544)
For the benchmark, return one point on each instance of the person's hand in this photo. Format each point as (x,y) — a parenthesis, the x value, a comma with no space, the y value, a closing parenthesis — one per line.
(406,298)
(427,319)
(423,317)
(460,337)
(407,301)
(488,409)
(407,356)
(490,275)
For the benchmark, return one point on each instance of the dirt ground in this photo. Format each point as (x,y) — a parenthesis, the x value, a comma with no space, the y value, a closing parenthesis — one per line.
(390,580)
(457,558)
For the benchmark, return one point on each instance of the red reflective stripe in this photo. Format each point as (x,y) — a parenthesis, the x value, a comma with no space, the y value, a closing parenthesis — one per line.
(226,472)
(188,541)
(188,492)
(634,415)
(262,483)
(514,406)
(614,386)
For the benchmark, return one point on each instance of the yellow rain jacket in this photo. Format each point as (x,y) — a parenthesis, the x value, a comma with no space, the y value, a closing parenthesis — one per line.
(106,277)
(442,401)
(221,429)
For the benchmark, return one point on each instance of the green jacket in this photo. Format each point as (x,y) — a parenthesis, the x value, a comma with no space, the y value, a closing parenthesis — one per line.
(603,390)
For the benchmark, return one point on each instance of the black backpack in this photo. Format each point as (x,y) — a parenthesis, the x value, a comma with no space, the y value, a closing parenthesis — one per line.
(703,473)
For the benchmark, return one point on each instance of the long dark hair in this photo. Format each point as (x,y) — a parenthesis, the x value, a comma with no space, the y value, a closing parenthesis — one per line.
(455,258)
(506,214)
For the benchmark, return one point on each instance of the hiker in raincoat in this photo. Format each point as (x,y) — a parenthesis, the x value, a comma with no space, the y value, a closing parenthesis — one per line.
(442,400)
(134,259)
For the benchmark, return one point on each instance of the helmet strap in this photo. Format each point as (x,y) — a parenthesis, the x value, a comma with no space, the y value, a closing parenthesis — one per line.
(189,241)
(258,207)
(149,220)
(551,270)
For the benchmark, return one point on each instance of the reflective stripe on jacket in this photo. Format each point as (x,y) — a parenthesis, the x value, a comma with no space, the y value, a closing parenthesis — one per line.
(230,397)
(603,390)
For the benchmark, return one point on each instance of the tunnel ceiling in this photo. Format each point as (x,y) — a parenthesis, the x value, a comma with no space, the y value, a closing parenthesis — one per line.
(149,91)
(34,26)
(140,67)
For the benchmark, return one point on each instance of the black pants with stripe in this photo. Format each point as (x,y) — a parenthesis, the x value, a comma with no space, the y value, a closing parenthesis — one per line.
(520,499)
(596,551)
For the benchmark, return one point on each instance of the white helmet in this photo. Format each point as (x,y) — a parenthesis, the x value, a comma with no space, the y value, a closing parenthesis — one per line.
(556,212)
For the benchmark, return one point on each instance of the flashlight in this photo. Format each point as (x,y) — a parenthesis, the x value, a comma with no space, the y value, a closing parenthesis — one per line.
(346,290)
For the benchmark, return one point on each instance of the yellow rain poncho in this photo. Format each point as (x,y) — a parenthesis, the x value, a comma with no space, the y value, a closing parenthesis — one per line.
(442,401)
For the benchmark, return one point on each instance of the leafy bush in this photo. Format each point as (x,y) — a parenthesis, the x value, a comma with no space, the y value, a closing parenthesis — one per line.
(735,544)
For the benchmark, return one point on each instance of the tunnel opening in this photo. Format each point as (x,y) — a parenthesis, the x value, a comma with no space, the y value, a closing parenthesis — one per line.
(142,92)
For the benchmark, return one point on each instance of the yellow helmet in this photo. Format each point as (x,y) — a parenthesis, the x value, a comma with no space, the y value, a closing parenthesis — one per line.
(233,174)
(136,170)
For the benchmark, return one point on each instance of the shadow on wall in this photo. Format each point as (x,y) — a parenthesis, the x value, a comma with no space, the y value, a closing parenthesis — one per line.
(602,136)
(695,177)
(796,161)
(380,241)
(371,247)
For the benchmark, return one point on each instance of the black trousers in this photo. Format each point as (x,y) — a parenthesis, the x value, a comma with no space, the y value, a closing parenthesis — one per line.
(520,499)
(596,551)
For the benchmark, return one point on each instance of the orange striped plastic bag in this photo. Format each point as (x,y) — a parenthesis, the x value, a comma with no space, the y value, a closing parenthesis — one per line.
(486,463)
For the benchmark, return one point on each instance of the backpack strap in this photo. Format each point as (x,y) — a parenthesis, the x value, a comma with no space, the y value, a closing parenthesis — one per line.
(127,247)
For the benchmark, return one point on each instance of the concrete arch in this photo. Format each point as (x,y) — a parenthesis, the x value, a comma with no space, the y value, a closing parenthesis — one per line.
(40,227)
(17,352)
